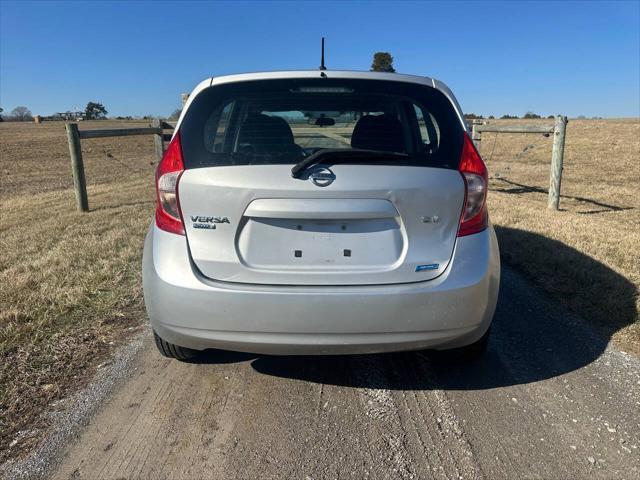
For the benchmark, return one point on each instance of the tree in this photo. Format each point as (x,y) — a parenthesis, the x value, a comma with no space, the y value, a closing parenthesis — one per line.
(95,111)
(21,114)
(382,62)
(473,116)
(507,117)
(1,110)
(531,115)
(176,114)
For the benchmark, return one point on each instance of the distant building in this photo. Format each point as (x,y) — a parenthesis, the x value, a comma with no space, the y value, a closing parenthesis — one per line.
(68,115)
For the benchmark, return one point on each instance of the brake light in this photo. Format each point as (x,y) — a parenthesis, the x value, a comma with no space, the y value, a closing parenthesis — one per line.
(170,168)
(474,216)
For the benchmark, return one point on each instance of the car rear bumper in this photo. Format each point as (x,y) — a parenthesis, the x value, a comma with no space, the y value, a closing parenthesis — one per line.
(192,311)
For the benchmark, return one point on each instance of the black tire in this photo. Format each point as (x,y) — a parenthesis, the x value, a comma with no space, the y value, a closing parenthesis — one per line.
(469,352)
(477,348)
(170,350)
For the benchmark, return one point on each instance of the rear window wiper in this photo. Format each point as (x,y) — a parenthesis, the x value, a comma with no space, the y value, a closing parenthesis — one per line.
(342,155)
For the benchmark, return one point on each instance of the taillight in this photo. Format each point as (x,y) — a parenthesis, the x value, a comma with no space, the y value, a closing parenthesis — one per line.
(474,216)
(170,168)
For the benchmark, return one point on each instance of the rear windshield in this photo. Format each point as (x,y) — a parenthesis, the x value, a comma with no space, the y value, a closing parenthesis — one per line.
(283,121)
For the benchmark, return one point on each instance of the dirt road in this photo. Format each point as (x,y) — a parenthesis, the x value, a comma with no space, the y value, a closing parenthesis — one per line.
(548,401)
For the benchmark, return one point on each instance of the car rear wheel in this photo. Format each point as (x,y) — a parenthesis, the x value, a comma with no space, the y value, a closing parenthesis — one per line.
(469,352)
(476,349)
(170,350)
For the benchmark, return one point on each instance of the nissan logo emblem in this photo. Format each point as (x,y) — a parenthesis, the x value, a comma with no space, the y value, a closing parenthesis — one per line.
(322,177)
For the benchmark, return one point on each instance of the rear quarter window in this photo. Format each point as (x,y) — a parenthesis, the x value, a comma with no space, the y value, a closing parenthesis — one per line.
(282,121)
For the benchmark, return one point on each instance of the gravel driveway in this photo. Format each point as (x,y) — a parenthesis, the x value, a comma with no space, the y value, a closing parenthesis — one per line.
(549,400)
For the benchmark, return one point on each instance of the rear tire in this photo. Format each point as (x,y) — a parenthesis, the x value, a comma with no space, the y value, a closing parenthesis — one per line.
(469,352)
(170,350)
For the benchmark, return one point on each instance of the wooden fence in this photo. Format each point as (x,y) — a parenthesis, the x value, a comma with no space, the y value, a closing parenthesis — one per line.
(559,130)
(74,136)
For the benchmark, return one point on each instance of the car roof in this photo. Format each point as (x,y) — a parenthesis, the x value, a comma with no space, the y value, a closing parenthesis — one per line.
(350,74)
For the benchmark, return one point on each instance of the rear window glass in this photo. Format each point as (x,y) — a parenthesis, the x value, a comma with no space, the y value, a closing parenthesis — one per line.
(283,121)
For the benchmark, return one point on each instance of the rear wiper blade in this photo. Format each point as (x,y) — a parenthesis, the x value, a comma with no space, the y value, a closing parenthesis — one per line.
(342,155)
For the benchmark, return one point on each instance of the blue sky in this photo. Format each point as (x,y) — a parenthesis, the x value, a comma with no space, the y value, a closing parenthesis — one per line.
(576,58)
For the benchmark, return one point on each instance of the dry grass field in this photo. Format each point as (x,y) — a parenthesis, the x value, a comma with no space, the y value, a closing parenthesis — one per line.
(587,253)
(70,283)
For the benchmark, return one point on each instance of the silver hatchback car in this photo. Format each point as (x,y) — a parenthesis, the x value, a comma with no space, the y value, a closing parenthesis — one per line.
(321,212)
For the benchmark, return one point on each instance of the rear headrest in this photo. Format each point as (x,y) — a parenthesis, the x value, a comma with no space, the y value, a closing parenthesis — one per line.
(265,133)
(378,132)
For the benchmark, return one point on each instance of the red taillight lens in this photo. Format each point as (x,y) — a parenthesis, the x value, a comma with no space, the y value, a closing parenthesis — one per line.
(168,217)
(474,216)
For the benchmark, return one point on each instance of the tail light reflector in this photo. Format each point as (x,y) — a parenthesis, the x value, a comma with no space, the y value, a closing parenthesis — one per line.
(170,168)
(474,216)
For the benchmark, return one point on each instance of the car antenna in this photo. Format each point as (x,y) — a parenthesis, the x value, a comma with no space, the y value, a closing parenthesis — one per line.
(322,67)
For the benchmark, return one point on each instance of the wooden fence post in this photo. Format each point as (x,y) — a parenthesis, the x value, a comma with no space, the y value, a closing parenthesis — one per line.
(476,135)
(557,157)
(77,167)
(158,140)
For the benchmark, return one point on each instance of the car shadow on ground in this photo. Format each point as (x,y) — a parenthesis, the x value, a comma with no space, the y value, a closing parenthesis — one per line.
(533,337)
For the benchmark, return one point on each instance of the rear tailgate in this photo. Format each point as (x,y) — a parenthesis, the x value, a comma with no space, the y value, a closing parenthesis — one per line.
(375,224)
